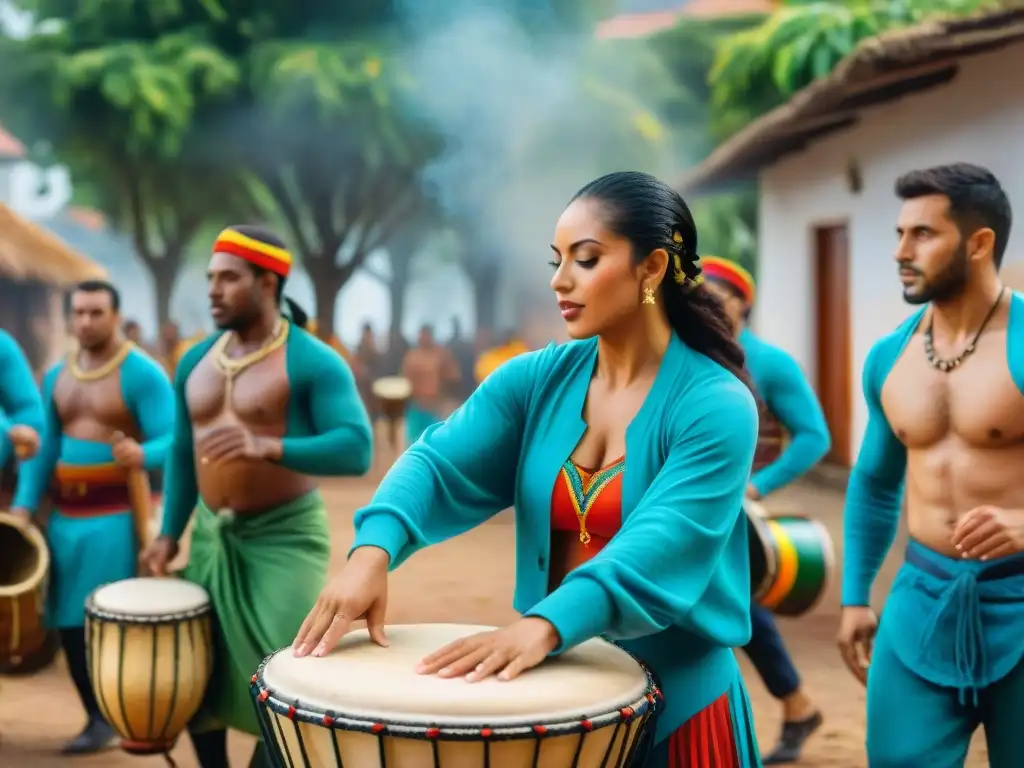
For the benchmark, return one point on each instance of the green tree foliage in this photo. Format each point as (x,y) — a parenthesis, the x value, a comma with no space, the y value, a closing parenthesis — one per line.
(757,69)
(113,90)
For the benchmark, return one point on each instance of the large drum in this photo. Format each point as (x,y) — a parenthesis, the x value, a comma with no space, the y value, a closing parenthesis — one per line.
(150,658)
(392,393)
(791,560)
(25,644)
(365,706)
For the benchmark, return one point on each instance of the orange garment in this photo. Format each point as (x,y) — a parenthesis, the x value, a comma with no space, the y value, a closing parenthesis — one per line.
(489,361)
(593,496)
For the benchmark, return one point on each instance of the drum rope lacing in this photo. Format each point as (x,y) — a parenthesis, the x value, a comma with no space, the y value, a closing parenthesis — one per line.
(639,712)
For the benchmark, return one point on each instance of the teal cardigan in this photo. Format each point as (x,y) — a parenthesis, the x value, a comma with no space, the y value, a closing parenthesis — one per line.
(673,584)
(789,397)
(874,495)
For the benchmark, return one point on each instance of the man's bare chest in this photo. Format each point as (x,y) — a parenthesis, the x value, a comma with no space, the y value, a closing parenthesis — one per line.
(257,395)
(978,403)
(101,401)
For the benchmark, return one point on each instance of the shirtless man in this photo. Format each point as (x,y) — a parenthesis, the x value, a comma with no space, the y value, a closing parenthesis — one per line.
(945,396)
(108,410)
(432,371)
(260,406)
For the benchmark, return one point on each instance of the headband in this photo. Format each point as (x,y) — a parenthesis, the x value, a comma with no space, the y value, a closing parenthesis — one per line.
(260,254)
(715,268)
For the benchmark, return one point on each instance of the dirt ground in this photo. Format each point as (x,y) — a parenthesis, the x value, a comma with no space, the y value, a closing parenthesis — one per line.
(469,580)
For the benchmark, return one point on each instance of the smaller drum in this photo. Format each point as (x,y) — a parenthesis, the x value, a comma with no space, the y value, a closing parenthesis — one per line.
(791,560)
(393,392)
(365,706)
(24,566)
(150,652)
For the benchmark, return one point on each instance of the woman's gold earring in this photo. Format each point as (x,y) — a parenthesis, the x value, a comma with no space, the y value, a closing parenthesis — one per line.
(649,295)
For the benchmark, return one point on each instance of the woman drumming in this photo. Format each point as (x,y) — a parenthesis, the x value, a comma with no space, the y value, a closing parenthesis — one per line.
(626,454)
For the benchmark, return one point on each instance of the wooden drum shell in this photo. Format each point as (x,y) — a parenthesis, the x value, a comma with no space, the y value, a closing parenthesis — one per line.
(23,576)
(150,673)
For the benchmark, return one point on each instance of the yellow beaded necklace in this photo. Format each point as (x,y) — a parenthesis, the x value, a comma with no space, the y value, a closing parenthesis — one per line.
(232,366)
(101,372)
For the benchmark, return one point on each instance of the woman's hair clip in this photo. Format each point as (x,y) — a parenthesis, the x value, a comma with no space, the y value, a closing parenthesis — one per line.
(676,237)
(677,270)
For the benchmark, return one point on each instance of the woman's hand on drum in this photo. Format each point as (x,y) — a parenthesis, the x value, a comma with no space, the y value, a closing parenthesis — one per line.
(360,591)
(506,652)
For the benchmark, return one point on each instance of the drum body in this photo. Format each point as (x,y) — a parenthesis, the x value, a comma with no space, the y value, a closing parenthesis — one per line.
(24,566)
(365,706)
(392,393)
(150,652)
(792,562)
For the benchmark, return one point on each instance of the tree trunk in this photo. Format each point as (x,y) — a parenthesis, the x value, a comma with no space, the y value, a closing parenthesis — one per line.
(485,278)
(164,272)
(326,287)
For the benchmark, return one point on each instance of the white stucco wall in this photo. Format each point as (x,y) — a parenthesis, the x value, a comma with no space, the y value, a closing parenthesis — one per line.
(978,117)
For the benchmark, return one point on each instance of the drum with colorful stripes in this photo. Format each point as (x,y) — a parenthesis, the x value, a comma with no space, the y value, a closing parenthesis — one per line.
(792,560)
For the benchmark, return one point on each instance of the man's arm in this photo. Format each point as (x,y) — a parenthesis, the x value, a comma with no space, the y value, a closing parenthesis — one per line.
(875,490)
(790,398)
(342,442)
(181,488)
(34,475)
(150,398)
(20,400)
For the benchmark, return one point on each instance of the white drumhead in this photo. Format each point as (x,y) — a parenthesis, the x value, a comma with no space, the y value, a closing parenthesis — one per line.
(361,680)
(392,388)
(150,597)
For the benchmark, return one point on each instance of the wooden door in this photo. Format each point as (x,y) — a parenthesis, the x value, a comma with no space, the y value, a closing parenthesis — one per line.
(834,353)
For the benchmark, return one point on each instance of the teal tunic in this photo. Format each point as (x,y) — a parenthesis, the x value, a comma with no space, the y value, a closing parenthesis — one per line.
(417,420)
(263,572)
(949,648)
(87,552)
(20,403)
(789,397)
(673,585)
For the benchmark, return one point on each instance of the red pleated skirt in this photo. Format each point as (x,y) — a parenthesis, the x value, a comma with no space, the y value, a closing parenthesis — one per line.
(706,740)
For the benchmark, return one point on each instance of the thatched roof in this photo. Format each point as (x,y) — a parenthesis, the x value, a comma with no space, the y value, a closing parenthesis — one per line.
(641,24)
(881,69)
(28,252)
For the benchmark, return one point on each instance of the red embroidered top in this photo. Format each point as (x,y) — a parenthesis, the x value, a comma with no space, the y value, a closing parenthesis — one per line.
(588,501)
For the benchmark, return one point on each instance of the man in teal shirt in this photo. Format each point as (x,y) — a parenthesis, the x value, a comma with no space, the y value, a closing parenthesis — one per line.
(787,404)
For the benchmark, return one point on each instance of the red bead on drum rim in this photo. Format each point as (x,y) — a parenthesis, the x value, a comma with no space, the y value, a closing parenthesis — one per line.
(291,713)
(486,733)
(377,727)
(587,725)
(253,679)
(540,730)
(327,721)
(626,712)
(264,695)
(432,733)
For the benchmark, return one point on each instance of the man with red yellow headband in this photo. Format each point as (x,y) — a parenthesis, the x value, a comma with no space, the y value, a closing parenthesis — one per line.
(260,407)
(787,405)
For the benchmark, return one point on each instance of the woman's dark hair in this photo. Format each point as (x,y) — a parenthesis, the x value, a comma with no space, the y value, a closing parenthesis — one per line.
(295,313)
(649,213)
